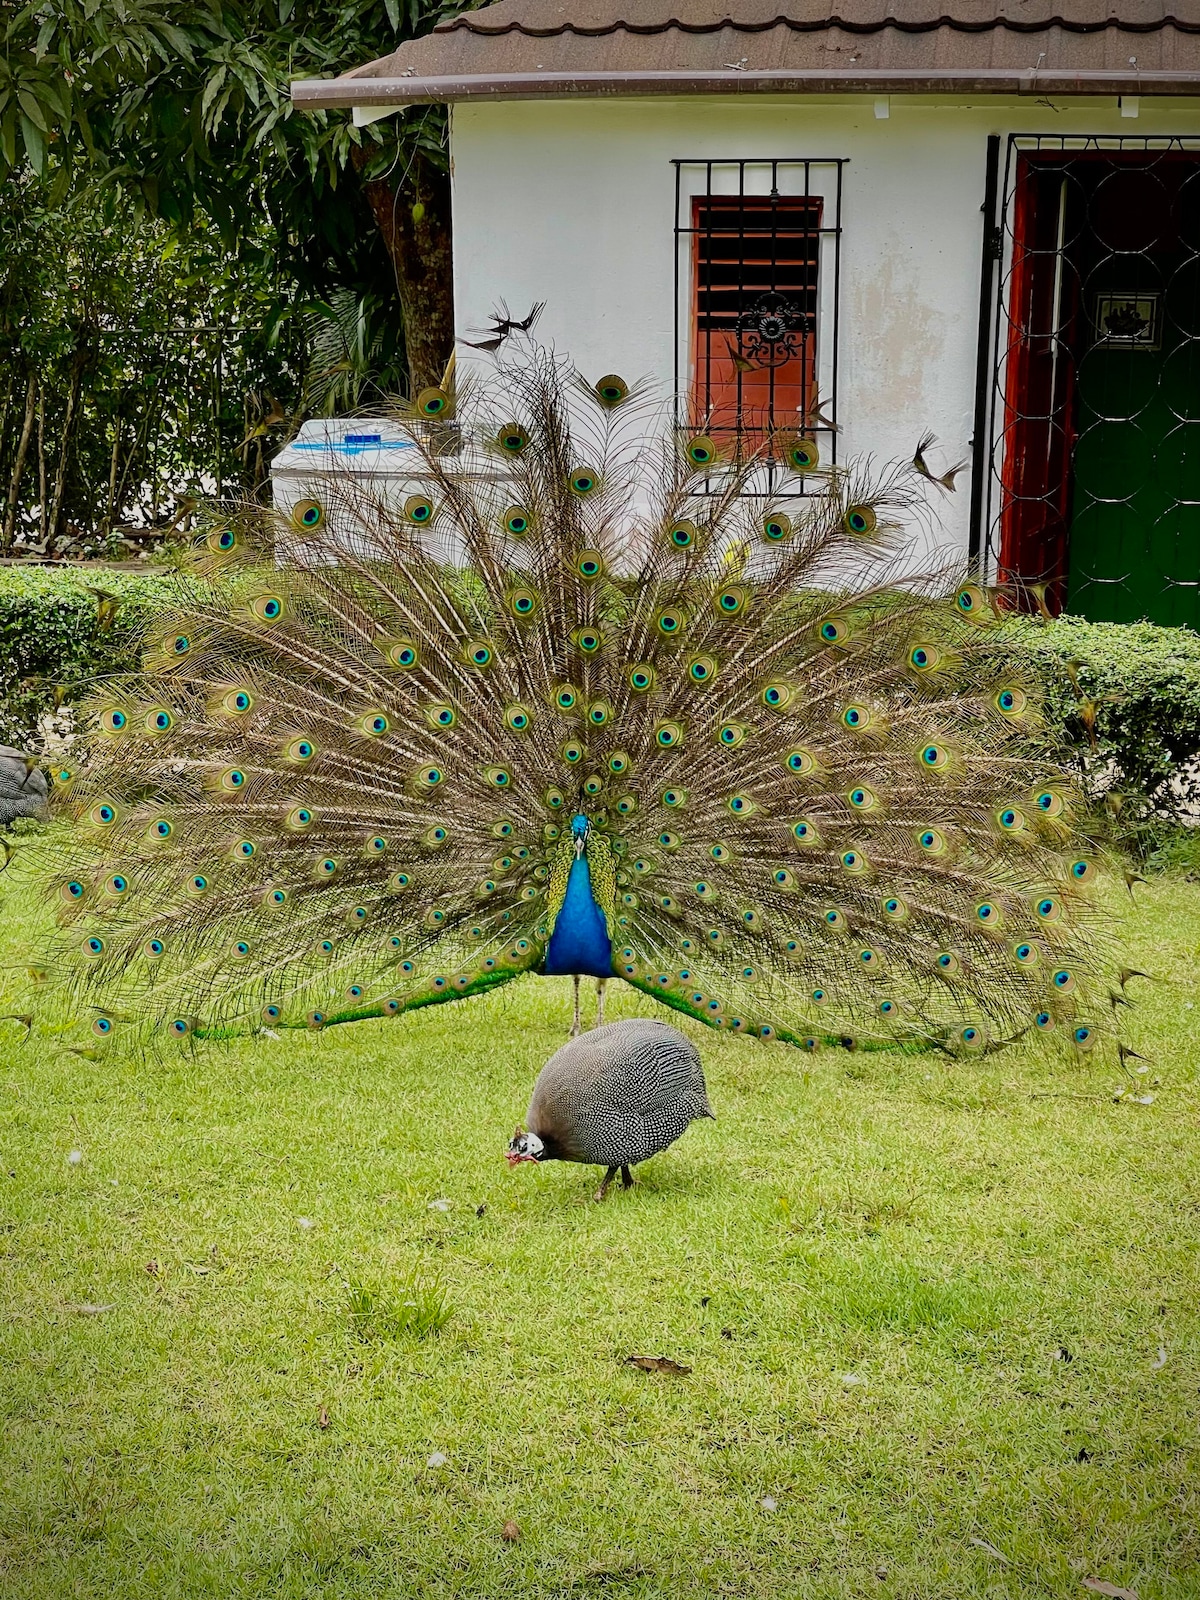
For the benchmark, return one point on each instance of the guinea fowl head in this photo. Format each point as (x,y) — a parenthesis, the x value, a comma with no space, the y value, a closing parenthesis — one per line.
(524,1147)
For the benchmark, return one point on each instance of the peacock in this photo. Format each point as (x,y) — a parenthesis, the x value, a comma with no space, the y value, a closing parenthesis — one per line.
(603,697)
(619,1095)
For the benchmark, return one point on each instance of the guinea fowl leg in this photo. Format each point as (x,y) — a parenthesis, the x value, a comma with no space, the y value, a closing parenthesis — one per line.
(626,1178)
(602,1191)
(576,1026)
(601,986)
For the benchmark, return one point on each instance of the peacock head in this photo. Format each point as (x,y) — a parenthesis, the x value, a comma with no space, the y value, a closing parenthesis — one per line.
(579,831)
(523,1147)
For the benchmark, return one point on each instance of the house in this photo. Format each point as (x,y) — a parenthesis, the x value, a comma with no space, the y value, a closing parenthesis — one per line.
(979,218)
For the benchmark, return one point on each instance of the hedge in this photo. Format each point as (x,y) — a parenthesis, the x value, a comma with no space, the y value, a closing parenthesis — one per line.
(1139,684)
(51,633)
(1142,681)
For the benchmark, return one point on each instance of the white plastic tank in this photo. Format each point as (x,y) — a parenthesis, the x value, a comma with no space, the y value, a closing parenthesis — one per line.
(370,453)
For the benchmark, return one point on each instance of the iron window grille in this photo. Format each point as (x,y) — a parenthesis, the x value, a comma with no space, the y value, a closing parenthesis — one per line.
(757,278)
(1097,245)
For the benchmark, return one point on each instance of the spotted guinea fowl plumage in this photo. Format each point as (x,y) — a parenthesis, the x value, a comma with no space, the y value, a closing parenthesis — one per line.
(618,1095)
(22,787)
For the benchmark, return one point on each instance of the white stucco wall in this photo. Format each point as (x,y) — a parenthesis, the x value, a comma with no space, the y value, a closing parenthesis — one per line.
(573,202)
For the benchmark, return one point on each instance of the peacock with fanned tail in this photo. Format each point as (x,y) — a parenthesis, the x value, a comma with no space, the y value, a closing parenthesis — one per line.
(589,704)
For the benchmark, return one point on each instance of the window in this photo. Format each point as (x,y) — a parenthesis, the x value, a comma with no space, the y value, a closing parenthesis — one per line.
(756,300)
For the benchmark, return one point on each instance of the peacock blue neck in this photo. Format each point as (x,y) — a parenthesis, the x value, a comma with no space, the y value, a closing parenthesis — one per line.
(579,942)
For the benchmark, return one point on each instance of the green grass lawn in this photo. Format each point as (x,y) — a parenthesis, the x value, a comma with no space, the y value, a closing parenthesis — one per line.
(923,1305)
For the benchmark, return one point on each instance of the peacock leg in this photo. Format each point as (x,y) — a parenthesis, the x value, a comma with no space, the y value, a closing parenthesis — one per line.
(576,1026)
(601,986)
(602,1191)
(626,1178)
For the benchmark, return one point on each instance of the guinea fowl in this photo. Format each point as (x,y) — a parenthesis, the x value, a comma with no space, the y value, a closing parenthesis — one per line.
(22,786)
(613,1097)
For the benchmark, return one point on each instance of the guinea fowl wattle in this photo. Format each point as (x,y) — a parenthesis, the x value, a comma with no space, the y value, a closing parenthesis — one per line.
(612,1098)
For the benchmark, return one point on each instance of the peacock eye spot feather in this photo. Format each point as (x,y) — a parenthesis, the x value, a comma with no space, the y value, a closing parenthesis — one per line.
(1083,1037)
(619,763)
(610,390)
(732,601)
(418,509)
(583,481)
(702,669)
(588,640)
(700,451)
(512,439)
(777,528)
(554,799)
(153,948)
(641,678)
(683,534)
(803,455)
(860,520)
(589,565)
(516,521)
(307,514)
(1043,1021)
(434,402)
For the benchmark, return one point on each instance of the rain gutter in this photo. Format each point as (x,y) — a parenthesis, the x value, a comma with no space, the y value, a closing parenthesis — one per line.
(356,89)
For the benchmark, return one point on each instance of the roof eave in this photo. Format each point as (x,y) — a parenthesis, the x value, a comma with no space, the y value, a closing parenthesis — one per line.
(357,89)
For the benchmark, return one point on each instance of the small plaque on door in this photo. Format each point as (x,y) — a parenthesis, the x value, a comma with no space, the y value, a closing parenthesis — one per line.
(1129,321)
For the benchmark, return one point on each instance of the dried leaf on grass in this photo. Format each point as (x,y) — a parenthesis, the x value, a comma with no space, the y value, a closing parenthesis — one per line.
(657,1364)
(510,1532)
(1113,1590)
(322,1418)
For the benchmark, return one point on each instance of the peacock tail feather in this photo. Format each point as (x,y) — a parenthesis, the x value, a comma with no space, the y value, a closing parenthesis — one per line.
(816,798)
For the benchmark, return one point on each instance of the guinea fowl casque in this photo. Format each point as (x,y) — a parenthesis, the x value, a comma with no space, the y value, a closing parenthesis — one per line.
(591,703)
(612,1098)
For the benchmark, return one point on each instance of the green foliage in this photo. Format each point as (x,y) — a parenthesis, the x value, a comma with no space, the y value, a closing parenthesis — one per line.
(187,109)
(134,363)
(1138,685)
(415,1309)
(50,635)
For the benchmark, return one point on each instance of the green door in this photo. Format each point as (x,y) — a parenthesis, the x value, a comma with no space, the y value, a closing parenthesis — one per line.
(1134,539)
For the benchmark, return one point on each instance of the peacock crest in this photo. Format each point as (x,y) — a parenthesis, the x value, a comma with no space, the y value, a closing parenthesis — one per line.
(816,799)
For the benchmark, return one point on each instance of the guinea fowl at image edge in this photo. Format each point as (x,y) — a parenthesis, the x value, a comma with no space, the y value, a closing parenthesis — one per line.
(591,704)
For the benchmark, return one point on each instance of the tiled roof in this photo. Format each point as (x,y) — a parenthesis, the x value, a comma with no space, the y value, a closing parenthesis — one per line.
(549,48)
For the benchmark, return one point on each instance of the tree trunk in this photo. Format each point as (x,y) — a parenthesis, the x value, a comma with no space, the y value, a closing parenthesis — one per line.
(415,224)
(10,512)
(78,362)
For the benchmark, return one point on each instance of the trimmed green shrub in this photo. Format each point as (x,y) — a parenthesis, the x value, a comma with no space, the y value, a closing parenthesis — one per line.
(52,633)
(1138,685)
